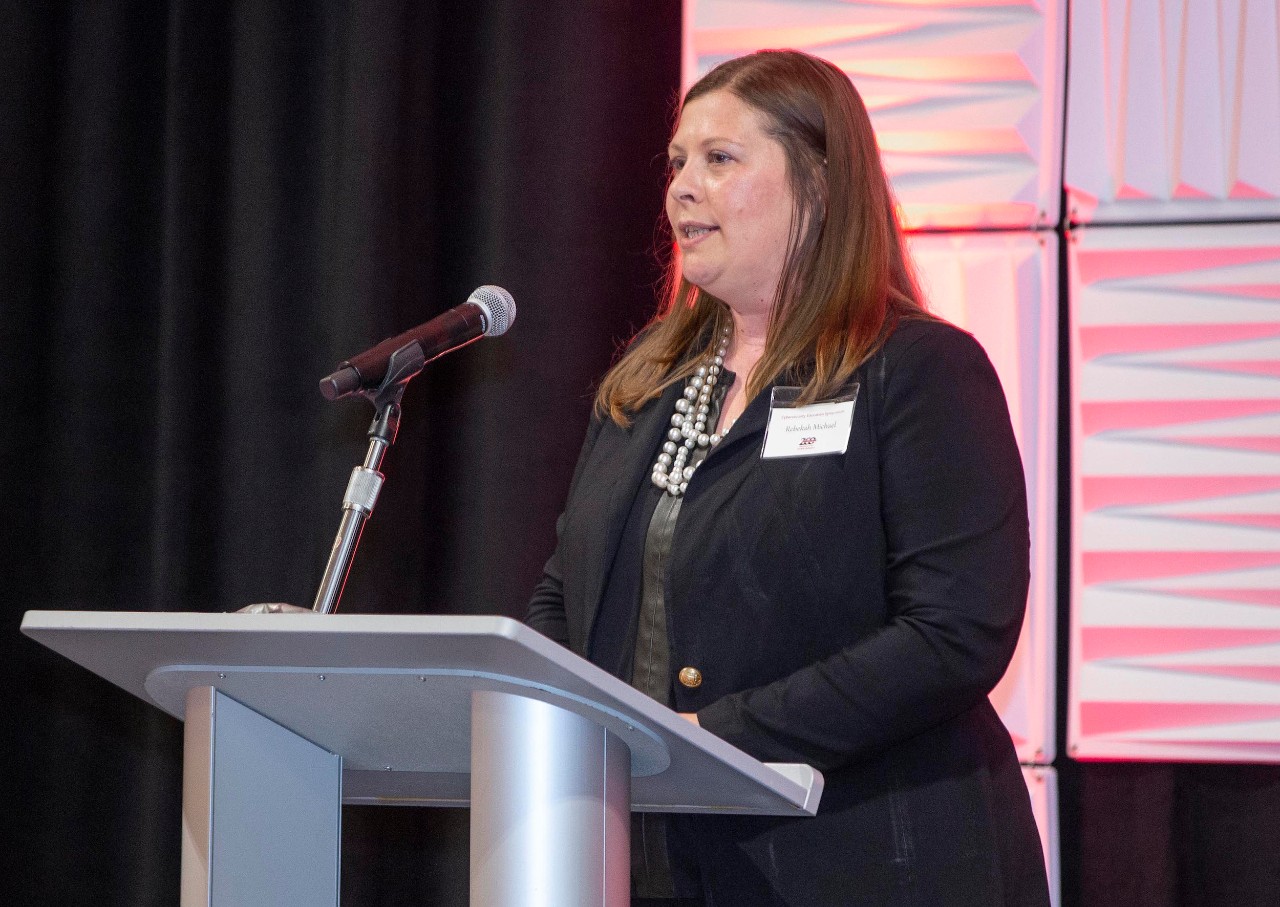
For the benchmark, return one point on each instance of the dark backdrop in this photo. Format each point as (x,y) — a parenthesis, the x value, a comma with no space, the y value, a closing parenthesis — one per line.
(205,206)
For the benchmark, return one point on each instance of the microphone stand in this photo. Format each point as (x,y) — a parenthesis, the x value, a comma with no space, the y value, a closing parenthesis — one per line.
(366,481)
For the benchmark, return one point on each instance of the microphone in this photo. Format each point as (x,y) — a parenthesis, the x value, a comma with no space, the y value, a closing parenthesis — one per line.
(488,312)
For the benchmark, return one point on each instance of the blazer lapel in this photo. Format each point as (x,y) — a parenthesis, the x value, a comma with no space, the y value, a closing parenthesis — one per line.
(630,457)
(750,425)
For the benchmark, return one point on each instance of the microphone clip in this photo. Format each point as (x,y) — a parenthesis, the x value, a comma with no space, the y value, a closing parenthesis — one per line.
(403,366)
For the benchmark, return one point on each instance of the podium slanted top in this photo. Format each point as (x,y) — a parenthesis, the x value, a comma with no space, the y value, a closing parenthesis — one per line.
(391,694)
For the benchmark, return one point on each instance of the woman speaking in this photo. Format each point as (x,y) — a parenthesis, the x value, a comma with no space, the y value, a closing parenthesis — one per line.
(799,519)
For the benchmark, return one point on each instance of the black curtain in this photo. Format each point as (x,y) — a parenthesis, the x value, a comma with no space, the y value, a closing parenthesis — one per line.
(207,206)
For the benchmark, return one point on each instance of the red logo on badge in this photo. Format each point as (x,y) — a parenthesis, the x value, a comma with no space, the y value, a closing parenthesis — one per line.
(805,442)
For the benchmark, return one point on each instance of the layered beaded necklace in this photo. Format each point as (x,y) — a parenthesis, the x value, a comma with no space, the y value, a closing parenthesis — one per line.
(672,470)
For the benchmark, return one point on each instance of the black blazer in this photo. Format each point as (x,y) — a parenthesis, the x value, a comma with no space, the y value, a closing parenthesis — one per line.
(849,611)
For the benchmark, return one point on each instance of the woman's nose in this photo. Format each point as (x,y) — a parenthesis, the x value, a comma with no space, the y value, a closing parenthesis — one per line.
(684,184)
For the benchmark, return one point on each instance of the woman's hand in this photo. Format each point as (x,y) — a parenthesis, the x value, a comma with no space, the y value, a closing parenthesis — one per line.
(690,717)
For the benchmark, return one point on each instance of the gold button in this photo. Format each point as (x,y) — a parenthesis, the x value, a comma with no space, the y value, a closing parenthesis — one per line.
(691,677)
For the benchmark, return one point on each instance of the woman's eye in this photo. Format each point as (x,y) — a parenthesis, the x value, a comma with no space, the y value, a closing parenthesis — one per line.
(718,157)
(675,164)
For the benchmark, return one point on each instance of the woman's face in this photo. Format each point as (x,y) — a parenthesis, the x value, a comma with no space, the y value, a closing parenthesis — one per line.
(729,202)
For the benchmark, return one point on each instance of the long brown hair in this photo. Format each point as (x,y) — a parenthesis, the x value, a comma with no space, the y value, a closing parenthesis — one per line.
(846,278)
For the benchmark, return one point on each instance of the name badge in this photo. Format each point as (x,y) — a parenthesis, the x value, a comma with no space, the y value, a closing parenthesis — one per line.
(807,431)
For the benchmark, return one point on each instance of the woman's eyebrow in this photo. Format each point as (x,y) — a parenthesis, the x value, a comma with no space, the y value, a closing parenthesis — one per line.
(710,140)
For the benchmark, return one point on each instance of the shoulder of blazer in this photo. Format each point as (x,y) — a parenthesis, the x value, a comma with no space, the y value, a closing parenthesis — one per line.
(913,343)
(916,342)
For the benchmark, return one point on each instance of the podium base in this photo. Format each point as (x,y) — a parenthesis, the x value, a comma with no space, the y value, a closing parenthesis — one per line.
(550,807)
(261,810)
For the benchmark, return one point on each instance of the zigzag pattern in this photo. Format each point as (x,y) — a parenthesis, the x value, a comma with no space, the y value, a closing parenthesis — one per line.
(965,96)
(1176,516)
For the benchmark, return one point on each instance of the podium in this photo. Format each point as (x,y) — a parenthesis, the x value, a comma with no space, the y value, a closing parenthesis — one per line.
(288,716)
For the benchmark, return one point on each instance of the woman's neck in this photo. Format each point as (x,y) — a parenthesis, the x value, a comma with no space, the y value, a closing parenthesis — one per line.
(746,346)
(745,349)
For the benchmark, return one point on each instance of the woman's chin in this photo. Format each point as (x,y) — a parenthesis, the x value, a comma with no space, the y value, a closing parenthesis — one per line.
(701,278)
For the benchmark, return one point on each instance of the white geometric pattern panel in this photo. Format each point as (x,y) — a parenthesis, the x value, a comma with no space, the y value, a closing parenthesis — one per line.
(1173,111)
(1003,288)
(966,97)
(1175,611)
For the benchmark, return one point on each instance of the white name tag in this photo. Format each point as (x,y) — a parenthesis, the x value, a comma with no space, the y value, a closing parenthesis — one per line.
(807,431)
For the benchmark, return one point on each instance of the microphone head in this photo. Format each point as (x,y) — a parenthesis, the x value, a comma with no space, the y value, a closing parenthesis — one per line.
(499,309)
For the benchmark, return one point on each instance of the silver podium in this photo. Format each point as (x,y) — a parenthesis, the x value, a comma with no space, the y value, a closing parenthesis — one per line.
(288,716)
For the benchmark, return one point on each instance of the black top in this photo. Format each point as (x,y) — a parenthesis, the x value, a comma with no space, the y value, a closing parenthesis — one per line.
(850,611)
(623,639)
(631,640)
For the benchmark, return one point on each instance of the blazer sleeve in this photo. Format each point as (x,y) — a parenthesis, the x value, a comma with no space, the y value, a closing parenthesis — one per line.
(954,513)
(546,612)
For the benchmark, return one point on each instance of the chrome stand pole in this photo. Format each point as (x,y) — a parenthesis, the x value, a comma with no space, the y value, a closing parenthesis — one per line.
(366,481)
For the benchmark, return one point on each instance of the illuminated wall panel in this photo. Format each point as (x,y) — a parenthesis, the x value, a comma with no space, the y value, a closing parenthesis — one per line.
(1175,649)
(966,96)
(1002,287)
(1173,110)
(1042,784)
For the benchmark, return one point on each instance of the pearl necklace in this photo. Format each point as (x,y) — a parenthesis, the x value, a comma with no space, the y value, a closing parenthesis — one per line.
(689,426)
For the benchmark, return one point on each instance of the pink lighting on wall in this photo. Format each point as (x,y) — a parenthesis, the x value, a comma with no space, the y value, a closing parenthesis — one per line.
(966,97)
(1176,493)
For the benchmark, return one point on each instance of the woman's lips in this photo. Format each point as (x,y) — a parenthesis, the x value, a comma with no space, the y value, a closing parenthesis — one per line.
(691,234)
